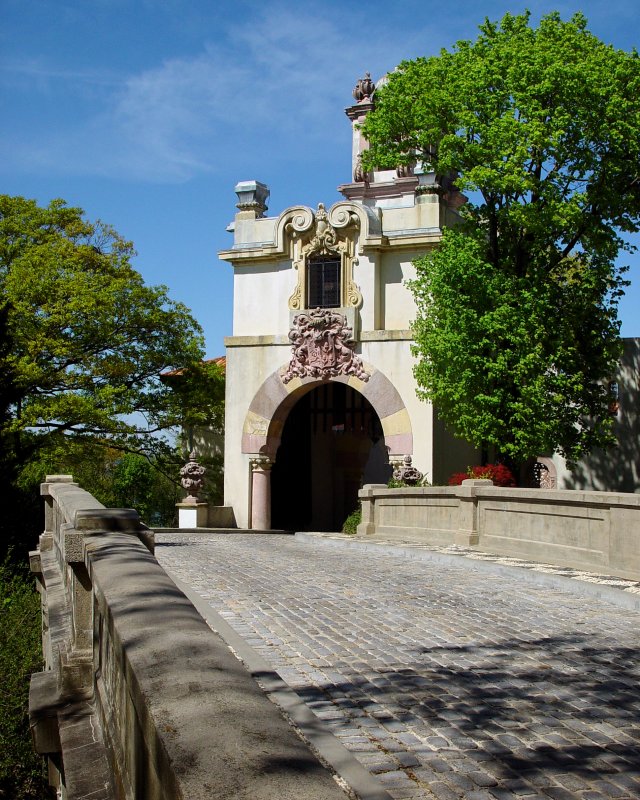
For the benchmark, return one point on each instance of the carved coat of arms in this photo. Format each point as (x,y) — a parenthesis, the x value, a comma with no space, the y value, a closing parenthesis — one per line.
(322,347)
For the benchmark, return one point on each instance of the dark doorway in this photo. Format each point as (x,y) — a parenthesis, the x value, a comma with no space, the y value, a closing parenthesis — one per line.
(331,445)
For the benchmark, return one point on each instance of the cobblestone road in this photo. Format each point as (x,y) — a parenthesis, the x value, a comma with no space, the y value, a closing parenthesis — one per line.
(443,681)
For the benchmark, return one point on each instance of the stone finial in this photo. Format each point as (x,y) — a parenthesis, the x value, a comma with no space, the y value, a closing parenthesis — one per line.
(404,171)
(359,175)
(407,473)
(364,89)
(252,196)
(192,478)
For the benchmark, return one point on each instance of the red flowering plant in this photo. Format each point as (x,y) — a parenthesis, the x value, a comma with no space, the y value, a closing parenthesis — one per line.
(500,474)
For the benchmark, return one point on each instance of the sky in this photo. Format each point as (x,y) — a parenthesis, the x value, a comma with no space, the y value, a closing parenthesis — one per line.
(146,113)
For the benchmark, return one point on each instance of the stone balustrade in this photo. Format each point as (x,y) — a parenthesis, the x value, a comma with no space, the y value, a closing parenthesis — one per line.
(596,531)
(139,698)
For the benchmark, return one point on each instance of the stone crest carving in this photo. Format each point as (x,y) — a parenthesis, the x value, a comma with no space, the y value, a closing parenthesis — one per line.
(320,234)
(322,347)
(192,478)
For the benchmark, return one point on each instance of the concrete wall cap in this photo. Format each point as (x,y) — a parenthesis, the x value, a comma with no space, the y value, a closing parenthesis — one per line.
(555,496)
(106,519)
(52,480)
(35,562)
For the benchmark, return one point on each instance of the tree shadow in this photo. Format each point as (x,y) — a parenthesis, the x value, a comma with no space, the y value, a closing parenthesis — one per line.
(545,707)
(617,469)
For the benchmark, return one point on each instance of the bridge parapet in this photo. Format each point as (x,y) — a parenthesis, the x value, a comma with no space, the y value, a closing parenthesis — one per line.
(589,530)
(139,698)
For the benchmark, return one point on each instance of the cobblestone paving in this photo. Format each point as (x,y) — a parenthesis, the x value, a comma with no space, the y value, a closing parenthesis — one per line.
(443,681)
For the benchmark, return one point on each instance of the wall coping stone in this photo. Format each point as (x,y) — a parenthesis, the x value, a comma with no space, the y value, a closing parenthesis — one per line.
(139,697)
(556,496)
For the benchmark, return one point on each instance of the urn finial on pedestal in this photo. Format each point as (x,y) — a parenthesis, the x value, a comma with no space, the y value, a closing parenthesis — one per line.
(192,479)
(364,89)
(407,473)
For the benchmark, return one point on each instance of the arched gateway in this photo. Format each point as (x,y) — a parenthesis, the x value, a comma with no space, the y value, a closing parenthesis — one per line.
(323,438)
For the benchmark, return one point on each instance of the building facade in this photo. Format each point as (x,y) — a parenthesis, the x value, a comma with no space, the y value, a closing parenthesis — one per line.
(320,391)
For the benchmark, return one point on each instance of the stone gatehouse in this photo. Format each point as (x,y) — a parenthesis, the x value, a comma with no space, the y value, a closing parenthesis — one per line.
(320,392)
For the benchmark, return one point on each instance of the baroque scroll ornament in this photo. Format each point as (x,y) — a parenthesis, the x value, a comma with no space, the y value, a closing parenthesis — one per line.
(322,346)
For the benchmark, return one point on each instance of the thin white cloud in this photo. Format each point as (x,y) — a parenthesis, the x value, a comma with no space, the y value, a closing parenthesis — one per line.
(272,83)
(277,81)
(36,68)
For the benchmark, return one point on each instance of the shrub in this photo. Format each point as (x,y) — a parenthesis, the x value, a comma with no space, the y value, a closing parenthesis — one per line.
(394,483)
(351,523)
(21,769)
(500,474)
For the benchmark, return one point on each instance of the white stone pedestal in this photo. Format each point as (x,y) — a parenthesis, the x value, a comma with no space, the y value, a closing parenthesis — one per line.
(192,515)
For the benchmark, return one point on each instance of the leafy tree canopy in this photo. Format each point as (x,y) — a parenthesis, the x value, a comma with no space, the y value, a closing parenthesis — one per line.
(517,329)
(83,340)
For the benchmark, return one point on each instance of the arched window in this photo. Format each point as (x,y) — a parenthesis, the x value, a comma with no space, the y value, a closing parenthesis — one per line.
(323,282)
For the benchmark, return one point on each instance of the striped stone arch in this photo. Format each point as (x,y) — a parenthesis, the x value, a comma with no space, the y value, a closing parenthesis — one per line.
(269,409)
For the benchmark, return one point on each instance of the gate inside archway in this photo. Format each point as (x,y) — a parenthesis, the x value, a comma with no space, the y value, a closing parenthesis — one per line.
(369,406)
(332,444)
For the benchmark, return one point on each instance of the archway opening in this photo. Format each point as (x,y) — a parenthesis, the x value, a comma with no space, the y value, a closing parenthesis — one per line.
(332,444)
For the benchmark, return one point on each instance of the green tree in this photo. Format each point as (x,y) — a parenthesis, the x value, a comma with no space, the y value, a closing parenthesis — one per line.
(83,342)
(21,770)
(149,484)
(517,329)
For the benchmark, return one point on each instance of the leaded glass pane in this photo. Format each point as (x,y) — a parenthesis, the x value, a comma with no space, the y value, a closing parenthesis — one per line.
(323,282)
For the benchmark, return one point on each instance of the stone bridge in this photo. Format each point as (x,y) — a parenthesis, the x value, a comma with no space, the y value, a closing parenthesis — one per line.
(239,665)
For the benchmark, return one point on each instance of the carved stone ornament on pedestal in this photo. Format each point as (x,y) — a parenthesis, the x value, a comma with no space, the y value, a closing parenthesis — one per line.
(544,474)
(322,346)
(192,478)
(359,175)
(407,473)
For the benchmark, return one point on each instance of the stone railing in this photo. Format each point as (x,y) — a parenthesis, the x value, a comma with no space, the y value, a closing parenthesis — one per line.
(139,698)
(596,531)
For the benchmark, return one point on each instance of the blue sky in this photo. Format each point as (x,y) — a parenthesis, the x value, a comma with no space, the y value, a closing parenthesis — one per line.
(146,113)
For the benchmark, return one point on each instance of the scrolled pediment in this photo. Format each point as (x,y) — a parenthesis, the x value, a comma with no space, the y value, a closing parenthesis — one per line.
(323,233)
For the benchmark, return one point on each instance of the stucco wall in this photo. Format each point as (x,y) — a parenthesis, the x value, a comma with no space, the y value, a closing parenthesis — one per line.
(397,307)
(260,298)
(393,358)
(247,369)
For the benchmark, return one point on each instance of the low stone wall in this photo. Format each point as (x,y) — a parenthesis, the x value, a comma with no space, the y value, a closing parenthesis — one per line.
(595,531)
(139,698)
